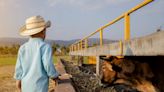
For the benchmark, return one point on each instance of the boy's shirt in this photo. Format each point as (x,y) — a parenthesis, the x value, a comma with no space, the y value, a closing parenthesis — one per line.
(35,66)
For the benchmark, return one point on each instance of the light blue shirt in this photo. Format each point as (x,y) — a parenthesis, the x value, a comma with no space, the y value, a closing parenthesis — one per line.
(35,66)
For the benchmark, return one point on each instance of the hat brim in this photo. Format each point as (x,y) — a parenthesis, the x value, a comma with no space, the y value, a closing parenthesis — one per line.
(31,32)
(26,32)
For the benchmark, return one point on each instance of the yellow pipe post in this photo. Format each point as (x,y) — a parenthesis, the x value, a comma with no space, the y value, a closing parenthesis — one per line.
(81,43)
(86,43)
(73,48)
(101,37)
(78,46)
(127,26)
(121,48)
(70,48)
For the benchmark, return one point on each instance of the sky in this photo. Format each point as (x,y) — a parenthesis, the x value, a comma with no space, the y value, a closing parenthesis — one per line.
(75,19)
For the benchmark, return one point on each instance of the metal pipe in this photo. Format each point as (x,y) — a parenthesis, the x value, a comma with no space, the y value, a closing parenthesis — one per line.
(127,21)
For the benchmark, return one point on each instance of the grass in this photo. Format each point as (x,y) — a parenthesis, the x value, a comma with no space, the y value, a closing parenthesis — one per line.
(85,59)
(7,60)
(57,58)
(11,60)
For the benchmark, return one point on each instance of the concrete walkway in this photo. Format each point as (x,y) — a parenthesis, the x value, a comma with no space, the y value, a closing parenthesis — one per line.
(65,84)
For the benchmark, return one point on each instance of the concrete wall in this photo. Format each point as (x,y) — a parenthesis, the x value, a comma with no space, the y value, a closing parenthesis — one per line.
(150,45)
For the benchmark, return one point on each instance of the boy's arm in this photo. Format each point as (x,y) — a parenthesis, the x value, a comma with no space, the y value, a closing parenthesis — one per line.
(48,62)
(18,72)
(49,65)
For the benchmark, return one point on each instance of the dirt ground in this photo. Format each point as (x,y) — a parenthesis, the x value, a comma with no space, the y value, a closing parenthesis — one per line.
(7,82)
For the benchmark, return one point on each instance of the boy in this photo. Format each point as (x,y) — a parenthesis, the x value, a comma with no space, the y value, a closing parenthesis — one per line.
(34,64)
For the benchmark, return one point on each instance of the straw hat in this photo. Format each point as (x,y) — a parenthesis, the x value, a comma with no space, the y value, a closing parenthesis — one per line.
(34,25)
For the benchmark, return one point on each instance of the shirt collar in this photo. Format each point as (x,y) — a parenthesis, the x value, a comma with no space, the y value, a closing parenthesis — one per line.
(35,39)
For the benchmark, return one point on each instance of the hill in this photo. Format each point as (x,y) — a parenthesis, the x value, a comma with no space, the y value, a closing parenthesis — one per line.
(20,41)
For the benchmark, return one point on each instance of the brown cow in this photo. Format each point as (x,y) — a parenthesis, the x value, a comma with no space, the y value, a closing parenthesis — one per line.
(108,73)
(132,73)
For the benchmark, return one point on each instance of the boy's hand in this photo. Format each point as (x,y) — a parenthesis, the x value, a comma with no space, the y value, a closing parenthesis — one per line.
(18,85)
(55,82)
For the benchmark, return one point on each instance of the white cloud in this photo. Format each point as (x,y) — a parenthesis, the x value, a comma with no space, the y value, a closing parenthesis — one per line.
(153,8)
(157,7)
(6,4)
(87,4)
(2,4)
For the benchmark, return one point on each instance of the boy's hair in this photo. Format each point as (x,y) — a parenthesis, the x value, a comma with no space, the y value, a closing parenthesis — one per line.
(38,34)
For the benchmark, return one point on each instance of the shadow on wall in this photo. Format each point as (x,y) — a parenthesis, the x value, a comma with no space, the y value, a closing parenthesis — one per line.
(128,51)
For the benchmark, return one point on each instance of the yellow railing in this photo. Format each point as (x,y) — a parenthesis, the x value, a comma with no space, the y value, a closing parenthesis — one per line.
(83,43)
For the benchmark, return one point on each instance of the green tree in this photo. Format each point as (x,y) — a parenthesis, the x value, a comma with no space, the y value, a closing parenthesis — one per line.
(55,47)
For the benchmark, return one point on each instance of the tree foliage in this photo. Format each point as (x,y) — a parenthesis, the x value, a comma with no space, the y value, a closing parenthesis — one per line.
(13,49)
(9,50)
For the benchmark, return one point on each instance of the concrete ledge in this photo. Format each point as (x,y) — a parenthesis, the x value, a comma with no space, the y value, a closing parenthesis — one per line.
(65,85)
